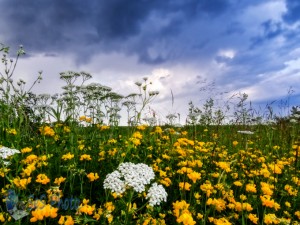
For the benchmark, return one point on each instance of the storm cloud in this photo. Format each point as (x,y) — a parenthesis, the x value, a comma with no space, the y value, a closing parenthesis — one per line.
(237,45)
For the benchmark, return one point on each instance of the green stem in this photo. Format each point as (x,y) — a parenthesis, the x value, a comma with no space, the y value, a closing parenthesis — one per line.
(128,206)
(91,190)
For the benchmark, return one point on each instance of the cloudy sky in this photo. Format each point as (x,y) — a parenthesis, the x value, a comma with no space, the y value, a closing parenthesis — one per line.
(192,49)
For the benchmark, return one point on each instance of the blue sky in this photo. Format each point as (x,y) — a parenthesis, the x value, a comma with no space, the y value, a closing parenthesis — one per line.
(194,48)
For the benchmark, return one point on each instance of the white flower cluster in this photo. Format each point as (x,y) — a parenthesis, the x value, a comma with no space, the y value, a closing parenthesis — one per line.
(114,183)
(6,152)
(156,194)
(135,176)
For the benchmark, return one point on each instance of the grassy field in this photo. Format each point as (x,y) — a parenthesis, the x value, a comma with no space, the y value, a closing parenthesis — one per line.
(84,168)
(214,175)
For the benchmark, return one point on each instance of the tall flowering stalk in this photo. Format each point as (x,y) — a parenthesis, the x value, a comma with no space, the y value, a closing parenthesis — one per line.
(137,102)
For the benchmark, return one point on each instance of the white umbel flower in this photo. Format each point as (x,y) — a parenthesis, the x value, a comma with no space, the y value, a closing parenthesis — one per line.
(136,176)
(6,152)
(156,194)
(114,183)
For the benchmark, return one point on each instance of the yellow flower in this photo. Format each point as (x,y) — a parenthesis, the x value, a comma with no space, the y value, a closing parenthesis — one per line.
(43,212)
(135,141)
(251,188)
(197,195)
(247,207)
(287,204)
(166,181)
(30,159)
(184,185)
(165,156)
(275,168)
(235,143)
(112,152)
(28,170)
(109,218)
(216,174)
(85,157)
(137,135)
(4,171)
(116,195)
(296,180)
(179,207)
(67,156)
(98,213)
(93,176)
(219,203)
(211,219)
(268,202)
(265,172)
(109,206)
(184,170)
(291,190)
(82,118)
(66,220)
(4,216)
(42,179)
(26,150)
(85,201)
(221,221)
(194,176)
(199,216)
(243,197)
(12,131)
(297,213)
(141,127)
(207,188)
(67,130)
(59,180)
(2,219)
(184,133)
(22,183)
(47,131)
(88,120)
(224,166)
(271,219)
(182,213)
(86,209)
(81,146)
(158,130)
(253,218)
(102,127)
(238,183)
(266,188)
(186,218)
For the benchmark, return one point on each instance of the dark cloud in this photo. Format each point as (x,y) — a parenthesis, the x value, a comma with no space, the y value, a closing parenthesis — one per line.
(85,27)
(119,19)
(293,8)
(41,25)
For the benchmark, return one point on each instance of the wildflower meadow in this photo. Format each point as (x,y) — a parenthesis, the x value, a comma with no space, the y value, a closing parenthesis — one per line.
(65,159)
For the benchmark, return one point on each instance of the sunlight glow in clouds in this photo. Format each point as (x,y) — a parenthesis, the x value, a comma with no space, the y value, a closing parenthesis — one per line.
(227,53)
